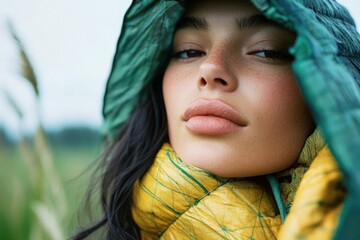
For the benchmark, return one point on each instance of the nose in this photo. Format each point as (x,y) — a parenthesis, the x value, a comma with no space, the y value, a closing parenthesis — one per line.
(217,72)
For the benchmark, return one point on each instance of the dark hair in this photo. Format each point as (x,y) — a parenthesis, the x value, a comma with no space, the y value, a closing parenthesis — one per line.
(125,160)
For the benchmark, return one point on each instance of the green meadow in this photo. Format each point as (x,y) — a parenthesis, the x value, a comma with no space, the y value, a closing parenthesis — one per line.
(42,175)
(42,187)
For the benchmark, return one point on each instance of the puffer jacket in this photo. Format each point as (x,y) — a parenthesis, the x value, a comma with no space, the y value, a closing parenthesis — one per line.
(320,194)
(175,200)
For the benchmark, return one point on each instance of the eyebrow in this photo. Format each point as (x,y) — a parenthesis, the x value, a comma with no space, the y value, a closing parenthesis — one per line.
(251,21)
(198,23)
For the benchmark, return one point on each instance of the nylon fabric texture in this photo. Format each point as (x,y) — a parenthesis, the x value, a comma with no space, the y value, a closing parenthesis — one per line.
(143,44)
(318,201)
(175,200)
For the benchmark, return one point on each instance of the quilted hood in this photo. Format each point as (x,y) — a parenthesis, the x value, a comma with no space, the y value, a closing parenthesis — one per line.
(327,67)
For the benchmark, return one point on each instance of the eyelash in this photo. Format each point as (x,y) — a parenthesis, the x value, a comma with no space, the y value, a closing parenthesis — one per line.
(195,53)
(272,55)
(267,54)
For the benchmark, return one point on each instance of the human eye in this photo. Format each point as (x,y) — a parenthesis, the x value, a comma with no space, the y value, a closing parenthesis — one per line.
(188,54)
(273,55)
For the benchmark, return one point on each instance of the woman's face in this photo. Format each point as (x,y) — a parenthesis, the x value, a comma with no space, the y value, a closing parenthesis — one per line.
(232,102)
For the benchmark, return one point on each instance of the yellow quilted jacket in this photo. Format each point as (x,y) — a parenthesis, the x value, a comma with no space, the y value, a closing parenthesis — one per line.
(175,200)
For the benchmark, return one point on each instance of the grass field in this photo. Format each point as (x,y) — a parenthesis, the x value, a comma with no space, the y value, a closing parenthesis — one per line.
(40,182)
(17,194)
(72,165)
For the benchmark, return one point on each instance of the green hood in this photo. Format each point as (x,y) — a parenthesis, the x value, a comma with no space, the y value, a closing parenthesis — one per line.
(327,66)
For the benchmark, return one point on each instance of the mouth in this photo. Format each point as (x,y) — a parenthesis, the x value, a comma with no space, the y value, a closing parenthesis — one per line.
(212,117)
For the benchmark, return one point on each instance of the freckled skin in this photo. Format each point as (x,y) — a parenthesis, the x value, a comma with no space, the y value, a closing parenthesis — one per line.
(232,69)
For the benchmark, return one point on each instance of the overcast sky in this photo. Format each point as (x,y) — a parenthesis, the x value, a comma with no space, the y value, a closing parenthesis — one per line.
(71,44)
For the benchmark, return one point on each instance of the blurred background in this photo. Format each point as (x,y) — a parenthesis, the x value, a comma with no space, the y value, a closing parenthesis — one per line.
(55,57)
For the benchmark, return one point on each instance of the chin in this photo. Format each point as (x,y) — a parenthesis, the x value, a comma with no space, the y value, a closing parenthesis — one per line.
(228,161)
(213,157)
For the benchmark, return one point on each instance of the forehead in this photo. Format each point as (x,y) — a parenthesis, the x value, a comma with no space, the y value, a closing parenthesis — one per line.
(203,7)
(241,14)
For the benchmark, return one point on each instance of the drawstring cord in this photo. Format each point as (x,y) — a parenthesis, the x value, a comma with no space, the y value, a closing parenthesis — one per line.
(275,187)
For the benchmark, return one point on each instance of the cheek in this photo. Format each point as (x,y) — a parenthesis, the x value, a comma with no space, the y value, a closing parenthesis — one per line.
(277,96)
(174,91)
(168,88)
(287,100)
(170,79)
(176,78)
(179,84)
(280,120)
(281,114)
(171,83)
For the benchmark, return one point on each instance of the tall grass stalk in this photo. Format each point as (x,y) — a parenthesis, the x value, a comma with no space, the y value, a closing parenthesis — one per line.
(33,204)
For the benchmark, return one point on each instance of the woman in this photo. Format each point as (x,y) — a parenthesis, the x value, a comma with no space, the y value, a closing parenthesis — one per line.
(209,133)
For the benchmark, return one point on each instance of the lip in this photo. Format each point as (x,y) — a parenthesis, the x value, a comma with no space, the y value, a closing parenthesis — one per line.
(212,117)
